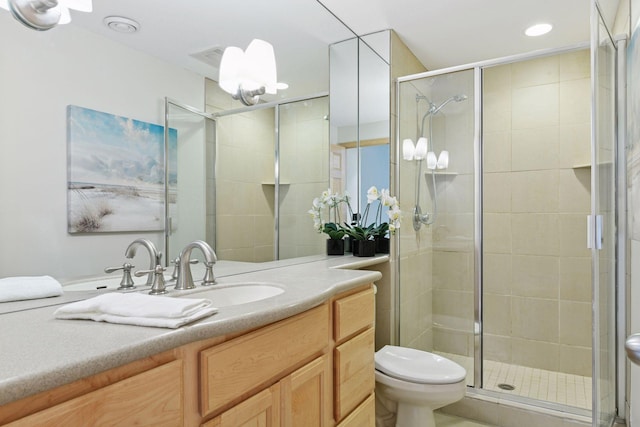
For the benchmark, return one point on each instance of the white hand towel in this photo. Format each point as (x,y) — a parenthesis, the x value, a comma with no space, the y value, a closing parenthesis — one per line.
(138,309)
(29,287)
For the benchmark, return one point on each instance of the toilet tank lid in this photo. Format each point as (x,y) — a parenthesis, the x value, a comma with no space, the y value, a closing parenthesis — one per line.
(418,366)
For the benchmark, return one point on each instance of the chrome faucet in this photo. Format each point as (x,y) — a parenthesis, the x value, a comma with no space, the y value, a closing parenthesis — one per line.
(185,279)
(154,256)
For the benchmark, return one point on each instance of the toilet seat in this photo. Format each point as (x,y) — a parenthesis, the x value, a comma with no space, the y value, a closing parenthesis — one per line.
(417,366)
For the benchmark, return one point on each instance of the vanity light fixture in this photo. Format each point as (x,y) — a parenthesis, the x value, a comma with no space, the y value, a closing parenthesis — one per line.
(538,29)
(42,15)
(248,74)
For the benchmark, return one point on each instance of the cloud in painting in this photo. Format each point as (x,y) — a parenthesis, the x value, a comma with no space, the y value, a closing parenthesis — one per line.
(104,148)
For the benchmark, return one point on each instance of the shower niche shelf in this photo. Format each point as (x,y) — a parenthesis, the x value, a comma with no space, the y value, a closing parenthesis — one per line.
(588,165)
(451,174)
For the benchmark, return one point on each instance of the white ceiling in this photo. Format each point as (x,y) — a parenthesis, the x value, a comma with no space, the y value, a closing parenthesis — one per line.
(441,33)
(444,33)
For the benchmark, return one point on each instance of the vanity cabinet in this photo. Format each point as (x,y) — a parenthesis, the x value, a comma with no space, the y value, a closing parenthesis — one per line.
(151,398)
(312,369)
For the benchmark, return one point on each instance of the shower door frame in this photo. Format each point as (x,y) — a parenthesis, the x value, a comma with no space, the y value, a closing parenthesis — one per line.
(478,67)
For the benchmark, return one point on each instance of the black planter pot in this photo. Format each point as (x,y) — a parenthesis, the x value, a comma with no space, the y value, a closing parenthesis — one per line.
(382,245)
(364,248)
(335,247)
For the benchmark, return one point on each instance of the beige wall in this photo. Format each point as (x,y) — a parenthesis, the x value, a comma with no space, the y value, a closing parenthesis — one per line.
(415,297)
(536,198)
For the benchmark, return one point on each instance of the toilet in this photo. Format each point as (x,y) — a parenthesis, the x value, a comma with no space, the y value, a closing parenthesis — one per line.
(411,384)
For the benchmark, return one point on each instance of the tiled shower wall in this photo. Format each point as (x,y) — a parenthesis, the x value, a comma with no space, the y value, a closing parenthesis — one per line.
(304,174)
(536,199)
(244,206)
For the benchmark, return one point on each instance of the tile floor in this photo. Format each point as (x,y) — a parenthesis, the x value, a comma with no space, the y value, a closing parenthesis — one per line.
(558,387)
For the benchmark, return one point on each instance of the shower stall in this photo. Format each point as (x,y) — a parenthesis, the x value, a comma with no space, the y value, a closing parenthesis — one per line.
(495,272)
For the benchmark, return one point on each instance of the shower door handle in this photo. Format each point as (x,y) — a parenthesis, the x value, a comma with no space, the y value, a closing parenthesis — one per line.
(594,228)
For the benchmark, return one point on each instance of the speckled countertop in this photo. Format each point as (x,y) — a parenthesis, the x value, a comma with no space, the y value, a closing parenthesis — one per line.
(40,352)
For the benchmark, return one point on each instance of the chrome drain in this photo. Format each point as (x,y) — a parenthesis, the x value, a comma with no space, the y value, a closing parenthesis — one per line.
(508,387)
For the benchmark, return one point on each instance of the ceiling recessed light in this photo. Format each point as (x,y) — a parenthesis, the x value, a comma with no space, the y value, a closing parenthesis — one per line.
(121,24)
(538,30)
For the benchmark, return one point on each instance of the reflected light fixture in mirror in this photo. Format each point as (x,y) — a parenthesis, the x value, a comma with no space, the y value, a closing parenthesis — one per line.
(248,74)
(42,15)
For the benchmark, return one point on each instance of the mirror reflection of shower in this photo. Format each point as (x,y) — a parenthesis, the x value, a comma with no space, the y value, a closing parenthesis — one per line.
(423,150)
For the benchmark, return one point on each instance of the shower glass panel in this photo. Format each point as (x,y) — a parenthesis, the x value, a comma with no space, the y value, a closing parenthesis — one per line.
(532,270)
(303,165)
(536,198)
(603,212)
(190,142)
(436,291)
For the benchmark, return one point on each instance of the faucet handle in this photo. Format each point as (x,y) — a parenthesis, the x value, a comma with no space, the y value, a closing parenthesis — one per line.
(158,287)
(127,281)
(209,278)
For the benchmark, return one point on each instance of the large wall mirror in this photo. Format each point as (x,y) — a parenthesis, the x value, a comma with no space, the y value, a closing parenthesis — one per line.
(130,76)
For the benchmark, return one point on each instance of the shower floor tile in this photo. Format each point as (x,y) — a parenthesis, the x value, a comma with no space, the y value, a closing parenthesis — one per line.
(550,386)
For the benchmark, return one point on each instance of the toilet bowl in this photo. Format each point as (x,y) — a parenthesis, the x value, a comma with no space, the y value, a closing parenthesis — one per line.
(411,384)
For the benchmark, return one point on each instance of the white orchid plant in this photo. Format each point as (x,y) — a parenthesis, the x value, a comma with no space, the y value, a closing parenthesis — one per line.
(331,203)
(378,228)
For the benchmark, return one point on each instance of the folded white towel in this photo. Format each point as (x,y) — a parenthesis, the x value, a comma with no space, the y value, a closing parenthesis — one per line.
(28,287)
(138,309)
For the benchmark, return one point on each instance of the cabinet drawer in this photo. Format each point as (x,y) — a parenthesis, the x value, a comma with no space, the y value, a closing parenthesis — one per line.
(363,416)
(233,370)
(152,398)
(354,372)
(353,314)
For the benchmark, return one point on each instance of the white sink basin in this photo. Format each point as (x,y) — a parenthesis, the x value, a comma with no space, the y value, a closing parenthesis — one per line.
(236,294)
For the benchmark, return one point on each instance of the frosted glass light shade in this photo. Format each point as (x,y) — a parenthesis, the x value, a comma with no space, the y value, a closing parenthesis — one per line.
(421,148)
(65,16)
(432,162)
(261,66)
(249,70)
(443,160)
(231,64)
(408,149)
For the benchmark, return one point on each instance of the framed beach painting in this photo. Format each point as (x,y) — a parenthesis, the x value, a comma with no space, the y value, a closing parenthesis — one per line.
(115,173)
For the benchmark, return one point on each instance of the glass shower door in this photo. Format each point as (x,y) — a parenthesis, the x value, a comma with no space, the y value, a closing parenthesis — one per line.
(190,180)
(602,222)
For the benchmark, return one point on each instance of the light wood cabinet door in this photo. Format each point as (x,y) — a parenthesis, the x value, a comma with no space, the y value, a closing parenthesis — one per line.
(354,367)
(306,395)
(152,398)
(261,410)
